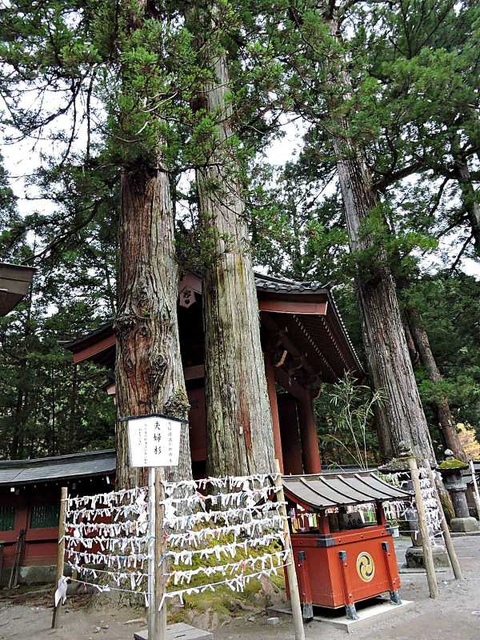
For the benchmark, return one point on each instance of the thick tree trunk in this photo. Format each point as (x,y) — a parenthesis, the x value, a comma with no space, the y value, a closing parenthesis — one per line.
(441,406)
(240,433)
(149,374)
(391,368)
(402,419)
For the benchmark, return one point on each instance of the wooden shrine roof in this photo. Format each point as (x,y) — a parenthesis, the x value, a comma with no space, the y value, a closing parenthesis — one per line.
(301,318)
(325,490)
(66,467)
(14,283)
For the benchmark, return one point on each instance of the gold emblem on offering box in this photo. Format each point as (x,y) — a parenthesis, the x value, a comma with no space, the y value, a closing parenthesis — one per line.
(365,566)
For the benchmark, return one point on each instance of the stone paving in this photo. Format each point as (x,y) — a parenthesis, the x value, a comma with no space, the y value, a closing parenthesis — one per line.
(454,615)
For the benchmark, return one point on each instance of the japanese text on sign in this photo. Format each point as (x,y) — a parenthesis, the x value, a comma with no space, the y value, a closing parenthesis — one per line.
(154,441)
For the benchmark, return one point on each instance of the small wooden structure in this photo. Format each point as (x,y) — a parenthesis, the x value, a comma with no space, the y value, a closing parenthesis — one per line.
(304,344)
(339,558)
(29,508)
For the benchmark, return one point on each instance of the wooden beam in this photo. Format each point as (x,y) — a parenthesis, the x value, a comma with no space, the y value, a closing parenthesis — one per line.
(308,435)
(284,339)
(194,373)
(94,349)
(272,396)
(289,306)
(289,384)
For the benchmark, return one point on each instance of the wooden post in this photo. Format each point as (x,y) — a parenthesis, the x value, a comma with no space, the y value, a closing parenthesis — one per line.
(476,495)
(272,396)
(19,551)
(60,552)
(152,511)
(452,554)
(422,523)
(157,617)
(308,434)
(160,560)
(291,574)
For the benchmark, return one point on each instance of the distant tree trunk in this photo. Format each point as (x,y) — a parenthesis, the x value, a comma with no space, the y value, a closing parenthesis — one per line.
(240,433)
(470,197)
(16,447)
(22,406)
(149,373)
(384,434)
(412,348)
(441,406)
(402,419)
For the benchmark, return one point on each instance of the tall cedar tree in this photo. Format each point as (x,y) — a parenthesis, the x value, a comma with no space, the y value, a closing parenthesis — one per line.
(316,36)
(149,372)
(240,434)
(112,54)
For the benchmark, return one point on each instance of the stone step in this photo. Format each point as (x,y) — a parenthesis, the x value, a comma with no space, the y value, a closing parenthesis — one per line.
(178,631)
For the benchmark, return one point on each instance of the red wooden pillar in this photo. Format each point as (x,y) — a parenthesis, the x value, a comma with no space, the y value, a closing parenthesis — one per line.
(308,434)
(272,396)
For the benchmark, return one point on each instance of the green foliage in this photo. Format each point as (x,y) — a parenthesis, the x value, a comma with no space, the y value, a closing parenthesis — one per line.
(449,305)
(296,232)
(120,84)
(345,413)
(47,406)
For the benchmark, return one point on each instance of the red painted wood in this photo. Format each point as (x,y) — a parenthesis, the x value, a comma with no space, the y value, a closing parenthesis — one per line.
(308,434)
(272,396)
(298,308)
(291,444)
(198,424)
(329,577)
(94,349)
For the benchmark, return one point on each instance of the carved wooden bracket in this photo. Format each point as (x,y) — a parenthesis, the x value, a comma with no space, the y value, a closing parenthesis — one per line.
(186,298)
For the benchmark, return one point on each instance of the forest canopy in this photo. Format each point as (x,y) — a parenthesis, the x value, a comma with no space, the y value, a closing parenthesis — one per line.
(317,93)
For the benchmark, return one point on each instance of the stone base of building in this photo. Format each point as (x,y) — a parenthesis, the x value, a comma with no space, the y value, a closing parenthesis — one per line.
(414,557)
(30,575)
(464,525)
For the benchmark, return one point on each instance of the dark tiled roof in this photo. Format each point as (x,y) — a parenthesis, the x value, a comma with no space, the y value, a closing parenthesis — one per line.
(75,465)
(280,285)
(97,334)
(271,283)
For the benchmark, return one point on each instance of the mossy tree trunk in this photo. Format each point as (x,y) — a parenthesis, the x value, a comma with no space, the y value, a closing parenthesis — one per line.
(149,372)
(402,416)
(240,433)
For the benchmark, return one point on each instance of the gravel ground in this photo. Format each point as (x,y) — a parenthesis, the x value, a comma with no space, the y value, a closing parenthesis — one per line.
(455,614)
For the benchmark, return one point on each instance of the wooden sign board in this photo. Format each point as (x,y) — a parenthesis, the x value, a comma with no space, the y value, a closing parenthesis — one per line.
(154,441)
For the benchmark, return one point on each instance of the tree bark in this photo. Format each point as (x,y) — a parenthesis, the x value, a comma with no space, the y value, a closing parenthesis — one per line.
(23,397)
(441,406)
(149,373)
(402,418)
(240,432)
